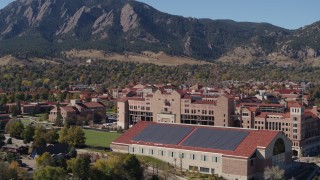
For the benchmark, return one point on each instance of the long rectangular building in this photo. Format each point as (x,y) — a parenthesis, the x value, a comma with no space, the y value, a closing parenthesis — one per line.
(228,152)
(176,106)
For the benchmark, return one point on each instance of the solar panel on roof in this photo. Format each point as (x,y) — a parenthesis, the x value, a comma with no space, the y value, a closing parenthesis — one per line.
(163,134)
(215,139)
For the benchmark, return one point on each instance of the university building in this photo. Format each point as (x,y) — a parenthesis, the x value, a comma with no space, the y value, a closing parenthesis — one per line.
(299,124)
(79,111)
(232,153)
(218,108)
(177,106)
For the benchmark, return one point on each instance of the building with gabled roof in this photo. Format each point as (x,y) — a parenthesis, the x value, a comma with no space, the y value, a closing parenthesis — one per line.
(232,153)
(80,110)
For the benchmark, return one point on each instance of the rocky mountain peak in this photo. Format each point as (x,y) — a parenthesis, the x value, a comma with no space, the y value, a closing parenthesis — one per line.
(54,26)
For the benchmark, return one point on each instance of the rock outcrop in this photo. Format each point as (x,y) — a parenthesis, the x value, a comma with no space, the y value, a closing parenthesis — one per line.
(128,18)
(105,20)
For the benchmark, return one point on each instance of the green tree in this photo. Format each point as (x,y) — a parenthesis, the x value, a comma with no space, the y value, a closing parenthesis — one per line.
(74,136)
(97,118)
(14,171)
(18,107)
(80,167)
(9,141)
(50,173)
(58,121)
(2,138)
(73,152)
(46,116)
(63,135)
(132,167)
(11,157)
(28,134)
(15,128)
(44,160)
(273,173)
(40,137)
(52,136)
(101,169)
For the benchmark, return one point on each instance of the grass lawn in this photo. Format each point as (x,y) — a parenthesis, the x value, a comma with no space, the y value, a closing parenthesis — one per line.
(99,138)
(26,121)
(39,115)
(110,111)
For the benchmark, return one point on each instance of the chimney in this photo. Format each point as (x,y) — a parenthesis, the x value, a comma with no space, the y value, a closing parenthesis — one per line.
(96,100)
(74,101)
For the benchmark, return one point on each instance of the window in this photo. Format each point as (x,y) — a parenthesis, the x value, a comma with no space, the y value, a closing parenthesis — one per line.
(192,156)
(204,111)
(161,153)
(215,159)
(204,170)
(142,108)
(141,150)
(279,147)
(212,171)
(151,151)
(204,158)
(171,154)
(132,149)
(186,111)
(181,155)
(245,114)
(148,108)
(193,168)
(295,119)
(295,130)
(251,162)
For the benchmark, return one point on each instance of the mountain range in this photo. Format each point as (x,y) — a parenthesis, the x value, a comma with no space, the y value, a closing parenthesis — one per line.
(42,28)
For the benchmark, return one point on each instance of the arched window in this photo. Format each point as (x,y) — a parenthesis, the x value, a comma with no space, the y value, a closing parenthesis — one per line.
(279,147)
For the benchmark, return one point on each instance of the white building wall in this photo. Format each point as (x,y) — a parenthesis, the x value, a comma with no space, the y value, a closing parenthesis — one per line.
(198,159)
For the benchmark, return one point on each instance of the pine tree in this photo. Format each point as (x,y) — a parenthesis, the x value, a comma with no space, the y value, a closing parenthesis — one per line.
(58,121)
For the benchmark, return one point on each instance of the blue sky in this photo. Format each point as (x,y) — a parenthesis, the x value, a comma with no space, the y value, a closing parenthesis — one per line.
(289,14)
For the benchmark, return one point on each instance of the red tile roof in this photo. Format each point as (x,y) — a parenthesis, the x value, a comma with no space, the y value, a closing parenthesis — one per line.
(261,104)
(93,105)
(252,109)
(309,113)
(265,114)
(294,104)
(255,138)
(124,99)
(288,91)
(68,109)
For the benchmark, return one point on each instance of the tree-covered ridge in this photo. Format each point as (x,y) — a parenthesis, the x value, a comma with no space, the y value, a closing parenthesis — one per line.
(117,74)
